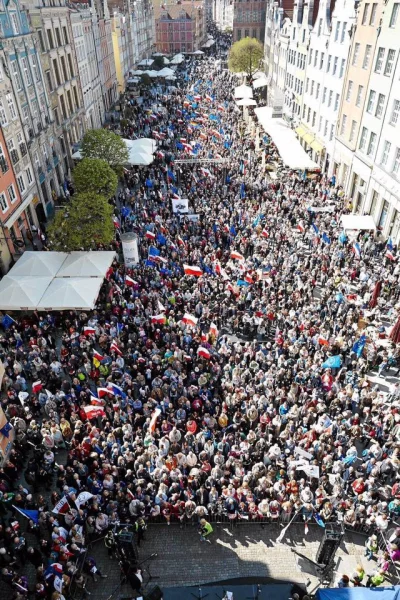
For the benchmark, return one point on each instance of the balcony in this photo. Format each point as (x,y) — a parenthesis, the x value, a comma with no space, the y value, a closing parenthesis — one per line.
(42,175)
(49,166)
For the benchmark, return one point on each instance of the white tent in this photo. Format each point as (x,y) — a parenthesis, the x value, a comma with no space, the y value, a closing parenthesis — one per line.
(39,264)
(71,293)
(171,78)
(140,151)
(165,72)
(158,54)
(260,82)
(246,102)
(86,264)
(151,73)
(284,138)
(146,62)
(358,222)
(243,91)
(137,72)
(178,59)
(22,293)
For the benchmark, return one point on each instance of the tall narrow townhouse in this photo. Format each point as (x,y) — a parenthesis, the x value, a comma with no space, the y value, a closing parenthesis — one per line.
(328,52)
(143,28)
(304,15)
(360,63)
(377,158)
(119,28)
(107,71)
(277,37)
(27,121)
(52,24)
(88,66)
(14,232)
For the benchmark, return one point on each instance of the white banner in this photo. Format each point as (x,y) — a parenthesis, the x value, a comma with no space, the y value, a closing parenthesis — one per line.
(300,452)
(82,498)
(130,249)
(180,206)
(310,470)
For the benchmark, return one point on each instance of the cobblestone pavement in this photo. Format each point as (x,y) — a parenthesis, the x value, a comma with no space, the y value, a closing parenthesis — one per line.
(247,551)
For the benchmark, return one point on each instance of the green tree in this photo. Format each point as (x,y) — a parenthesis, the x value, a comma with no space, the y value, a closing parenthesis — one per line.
(95,175)
(85,223)
(158,62)
(106,145)
(245,56)
(145,79)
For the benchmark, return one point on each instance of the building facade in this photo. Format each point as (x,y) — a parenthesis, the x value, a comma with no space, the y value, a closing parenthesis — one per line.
(222,14)
(249,19)
(180,28)
(143,28)
(108,72)
(122,47)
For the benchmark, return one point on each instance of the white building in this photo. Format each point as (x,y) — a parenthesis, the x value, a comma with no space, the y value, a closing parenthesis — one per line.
(223,14)
(143,29)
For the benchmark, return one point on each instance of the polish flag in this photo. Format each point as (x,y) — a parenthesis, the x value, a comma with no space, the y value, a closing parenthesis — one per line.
(323,342)
(62,506)
(195,271)
(390,255)
(37,386)
(203,352)
(189,320)
(265,233)
(248,278)
(180,241)
(153,421)
(230,288)
(236,255)
(156,135)
(96,401)
(218,268)
(129,281)
(208,98)
(197,97)
(221,107)
(150,235)
(300,228)
(114,347)
(92,412)
(183,140)
(224,275)
(97,356)
(213,330)
(158,319)
(160,154)
(89,331)
(203,337)
(116,222)
(101,392)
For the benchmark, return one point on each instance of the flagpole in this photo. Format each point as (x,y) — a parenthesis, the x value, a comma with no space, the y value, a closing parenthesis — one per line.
(284,530)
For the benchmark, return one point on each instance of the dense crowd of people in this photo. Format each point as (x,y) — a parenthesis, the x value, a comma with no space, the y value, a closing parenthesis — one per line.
(226,376)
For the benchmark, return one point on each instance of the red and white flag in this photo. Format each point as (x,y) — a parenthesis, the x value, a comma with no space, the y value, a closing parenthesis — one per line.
(89,331)
(161,308)
(194,271)
(390,255)
(221,107)
(323,341)
(129,281)
(236,255)
(101,392)
(189,320)
(230,287)
(96,401)
(37,386)
(153,420)
(150,235)
(208,98)
(213,330)
(248,278)
(300,227)
(62,506)
(94,411)
(114,347)
(265,233)
(97,355)
(218,268)
(180,241)
(159,319)
(203,352)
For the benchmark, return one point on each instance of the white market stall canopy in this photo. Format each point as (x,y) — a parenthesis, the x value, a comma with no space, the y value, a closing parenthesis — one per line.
(243,91)
(177,60)
(246,102)
(284,138)
(358,222)
(260,82)
(55,281)
(140,151)
(146,62)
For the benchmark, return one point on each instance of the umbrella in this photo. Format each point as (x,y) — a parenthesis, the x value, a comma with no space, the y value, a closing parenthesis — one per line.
(246,102)
(171,77)
(243,91)
(158,54)
(374,300)
(395,333)
(146,62)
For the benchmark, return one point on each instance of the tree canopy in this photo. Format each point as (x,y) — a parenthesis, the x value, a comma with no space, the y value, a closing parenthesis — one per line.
(106,145)
(245,56)
(85,223)
(95,175)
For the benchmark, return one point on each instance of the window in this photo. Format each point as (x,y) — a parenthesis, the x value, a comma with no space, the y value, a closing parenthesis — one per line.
(318,88)
(355,54)
(336,102)
(11,107)
(56,71)
(21,144)
(363,139)
(324,96)
(344,29)
(238,34)
(27,72)
(313,118)
(326,128)
(321,62)
(14,23)
(352,130)
(307,82)
(367,56)
(65,32)
(373,14)
(21,183)
(310,56)
(359,95)
(41,40)
(58,37)
(389,62)
(332,131)
(394,15)
(320,124)
(330,98)
(342,64)
(35,67)
(315,58)
(50,38)
(371,102)
(349,90)
(385,153)
(343,125)
(71,68)
(3,117)
(394,117)
(3,162)
(29,176)
(335,64)
(3,202)
(11,193)
(379,105)
(365,14)
(328,66)
(372,144)
(396,164)
(64,68)
(15,75)
(379,60)
(337,31)
(49,82)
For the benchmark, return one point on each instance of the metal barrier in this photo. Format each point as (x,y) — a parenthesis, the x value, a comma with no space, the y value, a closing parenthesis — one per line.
(76,592)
